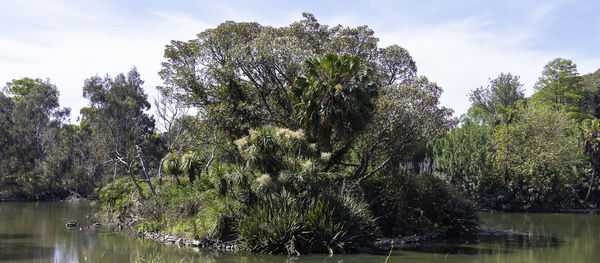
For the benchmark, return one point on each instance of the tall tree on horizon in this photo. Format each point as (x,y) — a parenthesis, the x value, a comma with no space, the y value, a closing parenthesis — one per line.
(119,122)
(561,86)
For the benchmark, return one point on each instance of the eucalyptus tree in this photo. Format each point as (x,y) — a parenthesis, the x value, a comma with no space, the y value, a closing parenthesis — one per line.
(32,120)
(6,140)
(36,111)
(502,93)
(118,121)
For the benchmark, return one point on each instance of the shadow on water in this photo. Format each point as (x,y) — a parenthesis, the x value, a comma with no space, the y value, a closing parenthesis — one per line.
(20,251)
(17,236)
(489,244)
(453,249)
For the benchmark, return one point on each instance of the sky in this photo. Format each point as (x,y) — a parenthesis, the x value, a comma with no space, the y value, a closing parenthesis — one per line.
(460,45)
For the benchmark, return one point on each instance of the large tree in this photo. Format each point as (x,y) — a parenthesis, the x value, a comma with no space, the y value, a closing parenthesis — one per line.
(31,151)
(118,120)
(502,93)
(242,76)
(561,86)
(36,112)
(535,162)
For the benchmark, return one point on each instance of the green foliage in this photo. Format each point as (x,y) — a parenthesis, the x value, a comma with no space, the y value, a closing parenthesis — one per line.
(248,69)
(117,195)
(589,141)
(119,126)
(273,225)
(591,85)
(40,155)
(416,204)
(461,156)
(280,158)
(562,87)
(282,223)
(407,116)
(534,159)
(338,224)
(20,88)
(191,164)
(502,93)
(334,100)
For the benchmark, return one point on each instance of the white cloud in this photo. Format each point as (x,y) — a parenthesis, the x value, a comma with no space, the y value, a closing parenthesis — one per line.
(71,41)
(69,55)
(462,55)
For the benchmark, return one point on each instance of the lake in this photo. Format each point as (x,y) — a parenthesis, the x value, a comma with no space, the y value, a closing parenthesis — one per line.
(35,232)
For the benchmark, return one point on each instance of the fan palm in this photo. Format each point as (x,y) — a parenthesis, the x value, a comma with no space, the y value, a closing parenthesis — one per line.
(334,100)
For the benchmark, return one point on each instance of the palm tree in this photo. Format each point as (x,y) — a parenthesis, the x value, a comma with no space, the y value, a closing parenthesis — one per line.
(191,165)
(334,100)
(172,165)
(590,144)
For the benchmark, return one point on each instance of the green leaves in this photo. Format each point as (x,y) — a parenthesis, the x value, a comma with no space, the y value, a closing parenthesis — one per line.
(535,159)
(503,92)
(590,137)
(461,156)
(334,99)
(589,140)
(562,87)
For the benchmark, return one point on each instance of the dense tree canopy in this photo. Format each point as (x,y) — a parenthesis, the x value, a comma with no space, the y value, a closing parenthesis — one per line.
(461,156)
(240,74)
(562,86)
(117,119)
(501,94)
(591,83)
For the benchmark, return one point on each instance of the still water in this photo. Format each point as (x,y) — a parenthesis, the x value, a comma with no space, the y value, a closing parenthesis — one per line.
(35,232)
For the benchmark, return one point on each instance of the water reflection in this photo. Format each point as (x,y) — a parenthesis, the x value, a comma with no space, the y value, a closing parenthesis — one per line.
(35,232)
(17,236)
(21,251)
(491,242)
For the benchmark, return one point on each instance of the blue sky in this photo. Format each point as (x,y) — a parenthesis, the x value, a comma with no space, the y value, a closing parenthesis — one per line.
(458,44)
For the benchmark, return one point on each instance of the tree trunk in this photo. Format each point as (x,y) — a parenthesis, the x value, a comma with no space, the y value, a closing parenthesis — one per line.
(595,165)
(139,188)
(115,172)
(160,181)
(139,151)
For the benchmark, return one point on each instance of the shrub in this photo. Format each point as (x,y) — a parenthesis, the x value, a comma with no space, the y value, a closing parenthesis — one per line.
(337,224)
(272,226)
(418,204)
(282,223)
